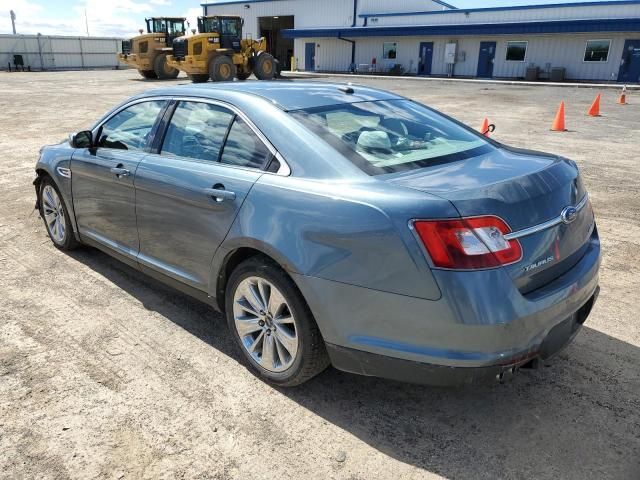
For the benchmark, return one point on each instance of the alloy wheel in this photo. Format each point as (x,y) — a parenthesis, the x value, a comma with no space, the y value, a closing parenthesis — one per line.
(53,213)
(265,324)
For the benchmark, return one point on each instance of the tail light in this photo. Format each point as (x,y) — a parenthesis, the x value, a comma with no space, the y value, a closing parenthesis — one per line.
(468,243)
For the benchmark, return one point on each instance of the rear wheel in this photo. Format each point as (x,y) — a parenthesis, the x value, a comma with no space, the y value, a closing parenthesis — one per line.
(265,67)
(222,69)
(148,74)
(162,69)
(55,215)
(272,324)
(198,78)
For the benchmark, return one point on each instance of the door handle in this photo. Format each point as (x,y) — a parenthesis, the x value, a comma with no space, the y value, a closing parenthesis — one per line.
(219,194)
(120,172)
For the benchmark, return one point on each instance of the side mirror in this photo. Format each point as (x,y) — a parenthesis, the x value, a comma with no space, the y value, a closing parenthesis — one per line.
(82,139)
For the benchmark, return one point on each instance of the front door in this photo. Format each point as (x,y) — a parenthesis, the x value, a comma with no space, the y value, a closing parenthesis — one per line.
(486,59)
(103,178)
(630,64)
(188,194)
(310,56)
(426,58)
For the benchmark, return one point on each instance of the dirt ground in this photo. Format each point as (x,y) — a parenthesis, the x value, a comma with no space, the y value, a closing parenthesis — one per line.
(105,373)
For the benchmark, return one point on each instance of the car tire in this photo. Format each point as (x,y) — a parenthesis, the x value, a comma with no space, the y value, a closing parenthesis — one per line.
(148,74)
(222,69)
(198,78)
(272,324)
(55,215)
(265,67)
(162,70)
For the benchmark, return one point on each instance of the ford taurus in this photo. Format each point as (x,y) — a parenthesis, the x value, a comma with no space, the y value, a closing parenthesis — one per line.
(335,224)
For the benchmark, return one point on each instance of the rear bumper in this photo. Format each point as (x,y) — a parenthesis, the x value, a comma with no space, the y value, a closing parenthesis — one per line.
(481,320)
(383,366)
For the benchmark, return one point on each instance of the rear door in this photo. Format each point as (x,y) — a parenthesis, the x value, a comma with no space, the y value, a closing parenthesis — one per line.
(189,192)
(103,177)
(486,59)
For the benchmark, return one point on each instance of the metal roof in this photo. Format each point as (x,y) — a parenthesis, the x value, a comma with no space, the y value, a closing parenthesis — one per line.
(287,95)
(505,28)
(224,2)
(506,9)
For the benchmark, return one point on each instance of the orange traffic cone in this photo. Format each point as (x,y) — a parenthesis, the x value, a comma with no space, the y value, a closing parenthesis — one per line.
(622,100)
(594,111)
(484,128)
(558,123)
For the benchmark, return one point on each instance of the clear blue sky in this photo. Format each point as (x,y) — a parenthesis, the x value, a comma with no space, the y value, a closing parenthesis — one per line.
(123,18)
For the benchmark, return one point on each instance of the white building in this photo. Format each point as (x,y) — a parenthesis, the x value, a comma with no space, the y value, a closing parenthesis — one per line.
(585,41)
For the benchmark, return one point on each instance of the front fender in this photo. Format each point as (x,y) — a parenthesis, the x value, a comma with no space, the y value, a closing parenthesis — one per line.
(55,161)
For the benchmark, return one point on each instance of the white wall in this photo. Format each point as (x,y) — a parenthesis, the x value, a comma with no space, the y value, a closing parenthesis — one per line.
(386,6)
(317,13)
(307,14)
(558,50)
(57,52)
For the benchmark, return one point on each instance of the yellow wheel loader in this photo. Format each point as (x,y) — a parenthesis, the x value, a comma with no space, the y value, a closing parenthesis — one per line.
(219,52)
(148,52)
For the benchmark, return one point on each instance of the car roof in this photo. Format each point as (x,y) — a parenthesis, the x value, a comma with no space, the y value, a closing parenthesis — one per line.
(285,94)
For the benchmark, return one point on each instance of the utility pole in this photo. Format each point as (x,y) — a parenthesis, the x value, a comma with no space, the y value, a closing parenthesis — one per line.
(86,21)
(13,21)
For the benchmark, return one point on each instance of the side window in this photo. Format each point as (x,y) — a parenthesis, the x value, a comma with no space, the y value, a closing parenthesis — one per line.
(129,129)
(197,131)
(243,147)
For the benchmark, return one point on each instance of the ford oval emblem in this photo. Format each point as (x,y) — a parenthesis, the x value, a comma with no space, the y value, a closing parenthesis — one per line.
(568,215)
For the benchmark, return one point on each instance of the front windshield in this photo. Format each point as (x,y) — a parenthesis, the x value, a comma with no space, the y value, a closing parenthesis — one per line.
(392,136)
(230,26)
(176,27)
(172,27)
(210,25)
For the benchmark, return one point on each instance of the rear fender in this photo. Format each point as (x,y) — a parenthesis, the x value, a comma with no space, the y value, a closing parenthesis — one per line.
(329,231)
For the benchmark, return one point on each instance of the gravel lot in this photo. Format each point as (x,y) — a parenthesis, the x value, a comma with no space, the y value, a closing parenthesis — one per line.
(104,373)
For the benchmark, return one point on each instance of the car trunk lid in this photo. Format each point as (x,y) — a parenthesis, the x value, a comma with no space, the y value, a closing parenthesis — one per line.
(529,191)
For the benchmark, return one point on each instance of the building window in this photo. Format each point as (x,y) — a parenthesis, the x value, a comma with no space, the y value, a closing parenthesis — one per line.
(389,50)
(516,51)
(597,50)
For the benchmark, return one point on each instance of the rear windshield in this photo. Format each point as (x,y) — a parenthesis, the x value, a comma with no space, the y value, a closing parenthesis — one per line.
(392,136)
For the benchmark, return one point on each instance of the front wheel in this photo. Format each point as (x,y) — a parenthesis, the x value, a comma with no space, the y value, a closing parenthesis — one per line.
(55,216)
(148,74)
(198,78)
(265,67)
(162,69)
(222,69)
(273,325)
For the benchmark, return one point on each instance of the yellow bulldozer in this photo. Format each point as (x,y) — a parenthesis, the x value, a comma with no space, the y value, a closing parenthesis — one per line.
(219,52)
(148,52)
